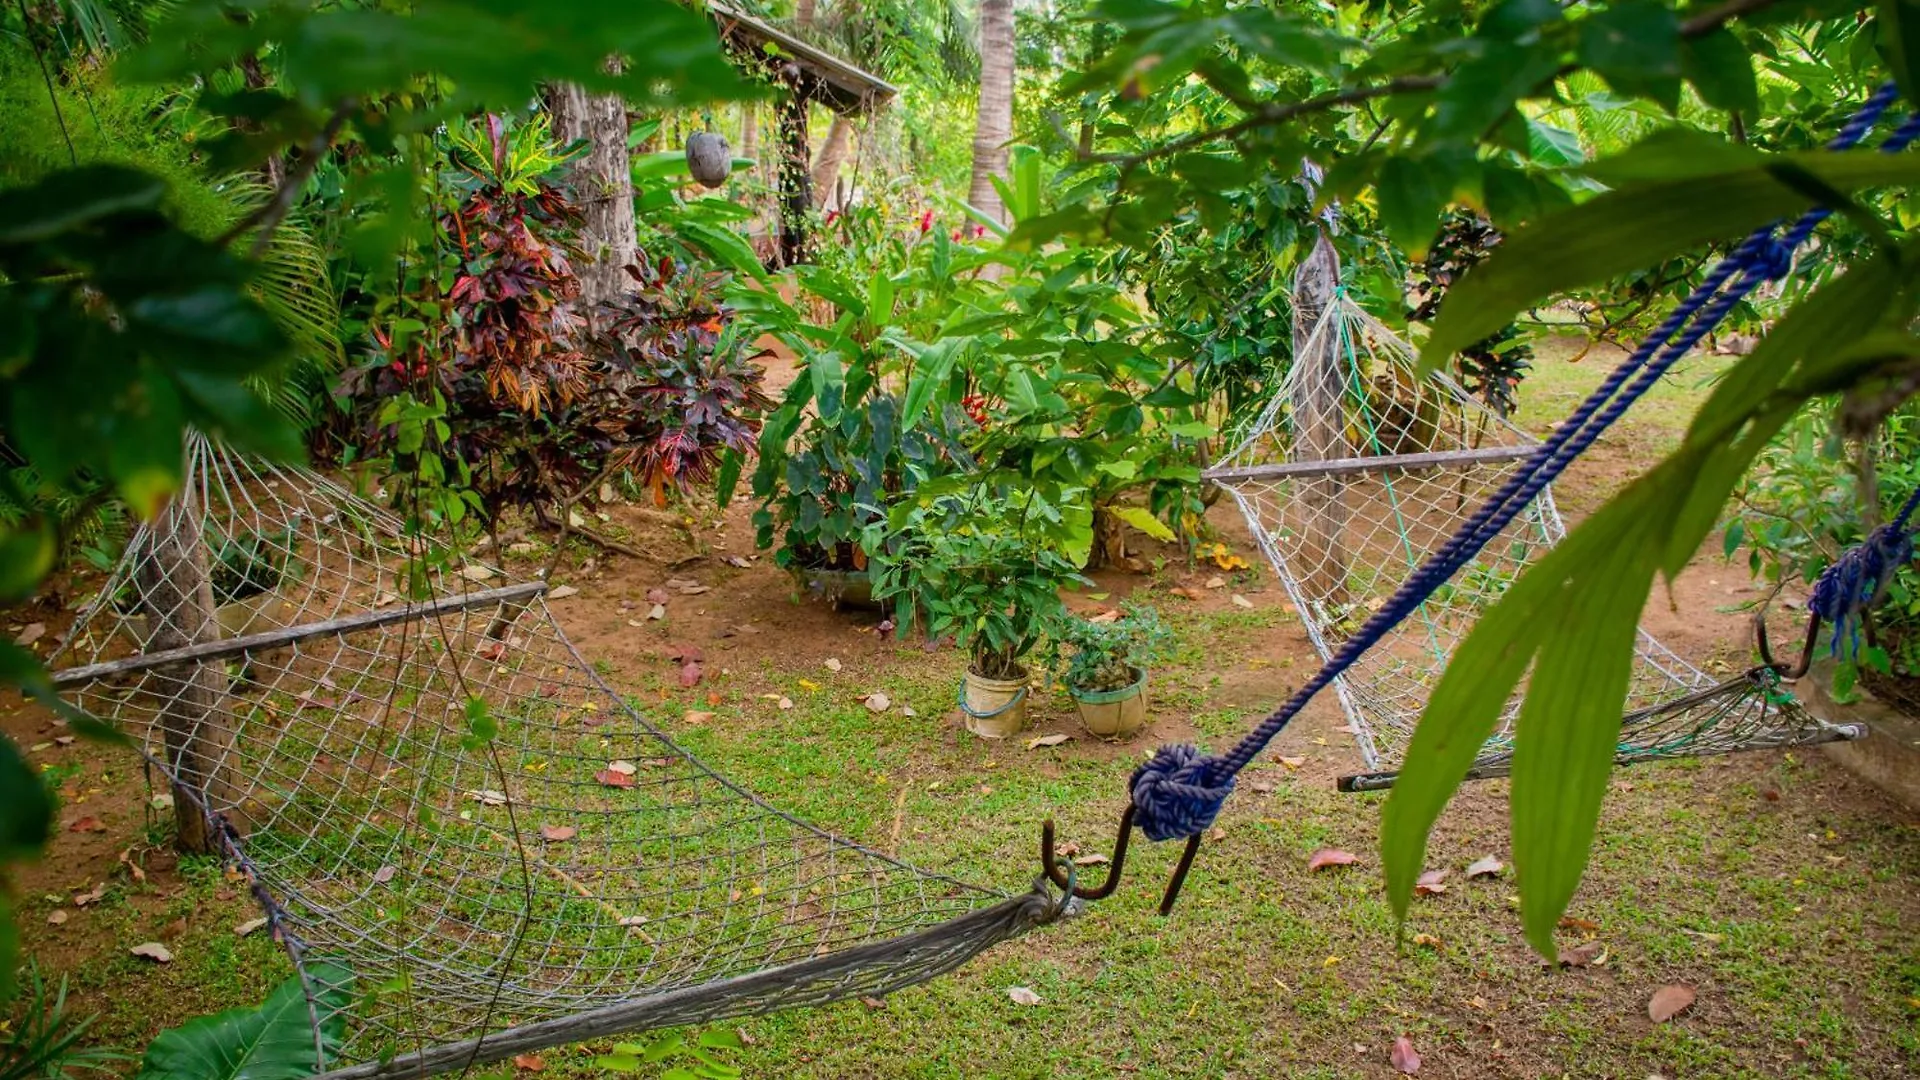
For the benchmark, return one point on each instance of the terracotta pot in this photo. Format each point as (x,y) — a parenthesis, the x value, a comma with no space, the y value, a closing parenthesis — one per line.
(994,708)
(1113,714)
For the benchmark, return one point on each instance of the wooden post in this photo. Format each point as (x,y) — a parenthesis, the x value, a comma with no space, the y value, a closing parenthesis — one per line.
(796,181)
(178,593)
(1320,428)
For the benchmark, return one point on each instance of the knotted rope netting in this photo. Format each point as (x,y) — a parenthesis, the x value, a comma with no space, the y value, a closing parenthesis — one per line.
(546,868)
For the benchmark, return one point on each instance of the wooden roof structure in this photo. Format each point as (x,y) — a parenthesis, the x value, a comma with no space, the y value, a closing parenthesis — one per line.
(824,77)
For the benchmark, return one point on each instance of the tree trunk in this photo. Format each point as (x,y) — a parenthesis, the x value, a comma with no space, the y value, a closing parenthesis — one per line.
(1320,429)
(602,183)
(796,186)
(993,125)
(826,167)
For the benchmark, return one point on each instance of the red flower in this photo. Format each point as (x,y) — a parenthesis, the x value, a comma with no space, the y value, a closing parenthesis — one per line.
(979,231)
(956,234)
(926,222)
(831,215)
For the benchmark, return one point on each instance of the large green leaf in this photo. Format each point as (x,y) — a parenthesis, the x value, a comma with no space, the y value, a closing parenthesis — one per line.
(1900,42)
(1712,197)
(273,1041)
(726,247)
(1720,67)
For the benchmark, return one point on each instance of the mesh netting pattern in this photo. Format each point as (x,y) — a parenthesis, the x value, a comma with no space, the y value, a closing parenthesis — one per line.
(574,874)
(1359,469)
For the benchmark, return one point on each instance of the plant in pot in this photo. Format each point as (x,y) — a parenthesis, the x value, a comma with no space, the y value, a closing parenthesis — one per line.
(1104,662)
(987,569)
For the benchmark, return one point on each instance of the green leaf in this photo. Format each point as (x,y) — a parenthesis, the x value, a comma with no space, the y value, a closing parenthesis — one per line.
(1899,41)
(72,197)
(1142,519)
(28,550)
(1721,69)
(26,809)
(1553,147)
(1641,224)
(1412,191)
(1635,46)
(480,723)
(1736,534)
(930,371)
(726,247)
(274,1041)
(1484,89)
(720,1039)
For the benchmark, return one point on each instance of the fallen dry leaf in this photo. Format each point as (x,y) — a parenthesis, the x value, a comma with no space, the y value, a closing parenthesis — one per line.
(658,595)
(154,951)
(659,612)
(562,592)
(250,926)
(832,664)
(809,685)
(1216,582)
(1110,615)
(1092,860)
(492,650)
(873,1003)
(784,703)
(1241,601)
(1403,1056)
(697,716)
(56,916)
(1668,1002)
(1326,857)
(1185,593)
(739,561)
(1262,787)
(528,1062)
(690,675)
(1430,883)
(1585,954)
(557,833)
(1428,940)
(1293,762)
(1487,867)
(488,797)
(1568,922)
(134,869)
(87,824)
(1023,996)
(1054,739)
(91,896)
(878,702)
(63,740)
(614,777)
(31,634)
(385,874)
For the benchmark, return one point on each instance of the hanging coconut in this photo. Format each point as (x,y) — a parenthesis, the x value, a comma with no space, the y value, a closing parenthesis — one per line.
(709,158)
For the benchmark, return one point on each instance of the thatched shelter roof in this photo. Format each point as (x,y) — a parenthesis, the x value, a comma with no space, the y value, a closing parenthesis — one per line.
(826,78)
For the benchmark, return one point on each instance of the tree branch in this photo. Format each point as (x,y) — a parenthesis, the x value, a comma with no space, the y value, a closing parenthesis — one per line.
(268,217)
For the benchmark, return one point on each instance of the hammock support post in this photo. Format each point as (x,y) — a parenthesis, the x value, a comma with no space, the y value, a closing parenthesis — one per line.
(1320,432)
(178,593)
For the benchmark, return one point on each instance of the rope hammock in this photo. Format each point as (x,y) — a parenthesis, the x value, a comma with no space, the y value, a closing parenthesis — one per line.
(1355,474)
(458,885)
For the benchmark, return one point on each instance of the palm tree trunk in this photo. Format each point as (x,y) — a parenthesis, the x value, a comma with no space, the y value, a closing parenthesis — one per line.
(602,184)
(826,167)
(993,125)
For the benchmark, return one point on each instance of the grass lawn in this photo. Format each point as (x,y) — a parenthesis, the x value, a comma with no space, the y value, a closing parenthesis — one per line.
(1776,885)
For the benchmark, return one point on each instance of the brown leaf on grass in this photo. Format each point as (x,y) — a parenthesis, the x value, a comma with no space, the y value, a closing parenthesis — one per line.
(1106,616)
(1092,860)
(250,926)
(154,951)
(617,774)
(697,716)
(1403,1056)
(685,654)
(1054,739)
(558,833)
(63,740)
(1262,787)
(1023,996)
(385,874)
(1241,601)
(1430,883)
(877,702)
(1186,593)
(1326,857)
(492,650)
(528,1062)
(1293,762)
(1585,926)
(873,1003)
(91,896)
(56,916)
(134,870)
(737,561)
(658,595)
(1428,940)
(87,824)
(1585,954)
(690,675)
(30,635)
(1487,867)
(658,611)
(833,664)
(1668,1002)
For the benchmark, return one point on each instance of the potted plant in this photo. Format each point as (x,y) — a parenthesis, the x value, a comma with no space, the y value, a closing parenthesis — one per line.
(1104,664)
(986,569)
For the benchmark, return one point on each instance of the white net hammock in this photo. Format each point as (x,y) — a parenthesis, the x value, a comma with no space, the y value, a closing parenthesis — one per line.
(1357,470)
(451,899)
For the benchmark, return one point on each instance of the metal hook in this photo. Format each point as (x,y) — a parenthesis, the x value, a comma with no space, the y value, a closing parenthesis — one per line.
(1051,863)
(1766,650)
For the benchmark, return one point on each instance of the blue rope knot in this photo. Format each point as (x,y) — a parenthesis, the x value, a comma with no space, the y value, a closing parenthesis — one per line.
(1856,579)
(1774,259)
(1177,794)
